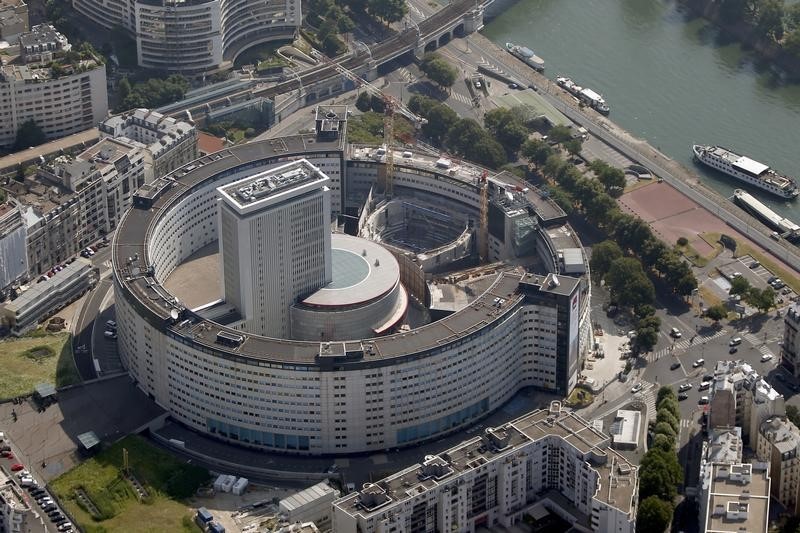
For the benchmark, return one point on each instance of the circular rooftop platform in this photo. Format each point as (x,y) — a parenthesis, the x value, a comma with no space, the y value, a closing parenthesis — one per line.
(362,272)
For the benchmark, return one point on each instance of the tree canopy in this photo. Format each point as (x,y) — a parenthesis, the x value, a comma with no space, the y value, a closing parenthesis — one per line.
(438,70)
(654,515)
(29,134)
(506,127)
(155,92)
(603,255)
(388,10)
(628,283)
(717,312)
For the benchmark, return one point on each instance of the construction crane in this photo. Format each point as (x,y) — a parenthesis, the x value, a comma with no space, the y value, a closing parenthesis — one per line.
(392,106)
(483,230)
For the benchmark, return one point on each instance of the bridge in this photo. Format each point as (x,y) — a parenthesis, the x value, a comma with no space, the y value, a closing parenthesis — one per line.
(457,19)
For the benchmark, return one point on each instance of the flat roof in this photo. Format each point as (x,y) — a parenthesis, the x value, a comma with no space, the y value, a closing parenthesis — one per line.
(724,491)
(274,185)
(306,496)
(626,427)
(750,165)
(362,271)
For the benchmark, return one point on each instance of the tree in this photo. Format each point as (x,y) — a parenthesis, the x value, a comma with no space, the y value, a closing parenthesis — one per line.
(603,255)
(440,119)
(769,19)
(761,299)
(438,70)
(628,283)
(364,102)
(791,43)
(645,340)
(488,152)
(463,135)
(388,10)
(612,178)
(559,134)
(29,134)
(644,311)
(376,104)
(554,165)
(671,405)
(793,414)
(573,147)
(537,151)
(717,312)
(506,128)
(665,416)
(123,89)
(739,285)
(663,442)
(654,515)
(664,393)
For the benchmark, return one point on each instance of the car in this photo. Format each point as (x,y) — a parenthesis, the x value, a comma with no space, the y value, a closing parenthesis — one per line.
(682,396)
(736,275)
(674,366)
(755,264)
(35,491)
(54,512)
(81,349)
(111,324)
(513,86)
(7,454)
(698,363)
(27,481)
(684,387)
(736,341)
(56,517)
(704,385)
(675,332)
(636,388)
(16,467)
(786,291)
(733,349)
(66,526)
(766,357)
(708,377)
(778,285)
(703,400)
(110,334)
(49,507)
(771,279)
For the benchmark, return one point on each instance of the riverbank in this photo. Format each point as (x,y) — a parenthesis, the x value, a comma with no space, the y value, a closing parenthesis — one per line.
(733,222)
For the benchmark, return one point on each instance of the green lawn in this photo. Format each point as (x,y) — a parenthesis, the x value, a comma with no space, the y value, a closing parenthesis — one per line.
(167,479)
(34,359)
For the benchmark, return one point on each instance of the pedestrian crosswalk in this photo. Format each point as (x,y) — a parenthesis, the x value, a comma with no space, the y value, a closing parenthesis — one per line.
(407,75)
(461,98)
(650,403)
(685,423)
(107,263)
(684,344)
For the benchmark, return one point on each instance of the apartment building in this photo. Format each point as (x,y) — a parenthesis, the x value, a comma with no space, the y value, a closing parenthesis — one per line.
(735,498)
(167,143)
(16,516)
(778,445)
(13,19)
(546,462)
(790,349)
(194,36)
(13,242)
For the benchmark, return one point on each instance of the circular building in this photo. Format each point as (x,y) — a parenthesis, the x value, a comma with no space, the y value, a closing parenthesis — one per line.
(355,387)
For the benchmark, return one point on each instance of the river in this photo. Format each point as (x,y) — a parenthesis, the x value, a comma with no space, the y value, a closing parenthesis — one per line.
(669,79)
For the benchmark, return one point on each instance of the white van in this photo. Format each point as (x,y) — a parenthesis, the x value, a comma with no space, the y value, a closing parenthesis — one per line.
(736,341)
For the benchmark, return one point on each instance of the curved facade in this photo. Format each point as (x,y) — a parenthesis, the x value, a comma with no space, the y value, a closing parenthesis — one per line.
(327,397)
(195,35)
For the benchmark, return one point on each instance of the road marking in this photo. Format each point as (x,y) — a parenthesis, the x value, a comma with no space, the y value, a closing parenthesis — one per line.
(685,423)
(683,345)
(461,98)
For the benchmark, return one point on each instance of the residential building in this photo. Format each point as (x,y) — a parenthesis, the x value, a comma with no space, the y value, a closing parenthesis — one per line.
(43,299)
(42,44)
(167,143)
(734,498)
(286,209)
(62,97)
(13,19)
(778,445)
(546,462)
(790,348)
(13,243)
(196,35)
(16,516)
(740,397)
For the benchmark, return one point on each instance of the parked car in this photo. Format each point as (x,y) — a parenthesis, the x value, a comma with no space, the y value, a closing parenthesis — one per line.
(703,400)
(111,324)
(698,363)
(704,385)
(766,357)
(755,264)
(16,467)
(682,396)
(110,334)
(66,526)
(685,387)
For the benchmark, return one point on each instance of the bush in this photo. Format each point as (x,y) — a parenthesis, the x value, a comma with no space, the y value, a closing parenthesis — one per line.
(683,241)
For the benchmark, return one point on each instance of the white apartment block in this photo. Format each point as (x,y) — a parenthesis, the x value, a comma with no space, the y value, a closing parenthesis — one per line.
(167,143)
(73,100)
(778,445)
(193,36)
(734,498)
(548,461)
(275,243)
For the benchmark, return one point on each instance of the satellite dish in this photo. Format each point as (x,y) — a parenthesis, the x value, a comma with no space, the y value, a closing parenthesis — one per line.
(135,271)
(173,314)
